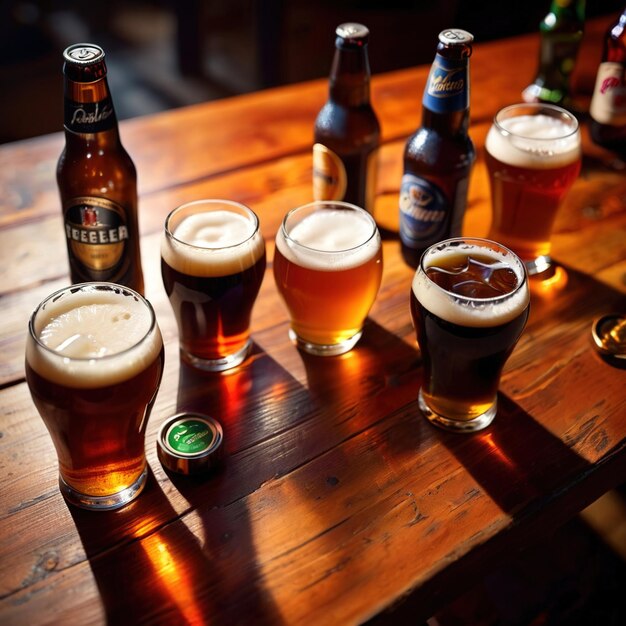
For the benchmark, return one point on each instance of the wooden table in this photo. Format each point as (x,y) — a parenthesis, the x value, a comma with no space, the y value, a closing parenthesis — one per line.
(337,502)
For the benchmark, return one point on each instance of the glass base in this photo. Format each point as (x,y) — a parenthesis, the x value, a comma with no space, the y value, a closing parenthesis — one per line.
(459,426)
(539,265)
(104,503)
(218,365)
(316,349)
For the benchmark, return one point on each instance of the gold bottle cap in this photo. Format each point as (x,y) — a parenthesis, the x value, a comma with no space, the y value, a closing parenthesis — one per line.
(609,335)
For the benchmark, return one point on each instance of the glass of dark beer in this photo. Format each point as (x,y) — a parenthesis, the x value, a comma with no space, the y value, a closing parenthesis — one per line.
(469,304)
(94,360)
(533,157)
(213,263)
(328,267)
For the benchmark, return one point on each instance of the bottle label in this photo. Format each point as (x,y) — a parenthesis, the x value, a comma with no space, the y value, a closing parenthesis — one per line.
(447,88)
(423,212)
(329,174)
(608,104)
(97,234)
(89,117)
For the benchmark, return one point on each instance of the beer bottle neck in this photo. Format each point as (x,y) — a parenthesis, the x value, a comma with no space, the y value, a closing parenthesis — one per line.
(350,76)
(89,110)
(565,16)
(445,105)
(448,124)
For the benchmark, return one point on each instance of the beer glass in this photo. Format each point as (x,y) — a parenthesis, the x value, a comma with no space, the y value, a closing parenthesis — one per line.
(94,360)
(213,263)
(328,268)
(533,156)
(469,304)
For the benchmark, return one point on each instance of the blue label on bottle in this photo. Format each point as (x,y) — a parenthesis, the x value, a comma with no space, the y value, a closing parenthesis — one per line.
(423,211)
(447,88)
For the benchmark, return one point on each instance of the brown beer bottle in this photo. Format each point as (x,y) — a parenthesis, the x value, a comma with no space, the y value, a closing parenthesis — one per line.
(608,104)
(347,132)
(439,156)
(96,177)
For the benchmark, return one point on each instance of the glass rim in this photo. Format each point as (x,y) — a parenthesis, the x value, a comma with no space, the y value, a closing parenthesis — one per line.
(479,241)
(212,201)
(95,286)
(324,204)
(538,107)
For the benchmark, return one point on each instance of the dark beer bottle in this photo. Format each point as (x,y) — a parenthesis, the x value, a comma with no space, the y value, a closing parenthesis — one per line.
(347,132)
(560,31)
(438,157)
(96,177)
(608,104)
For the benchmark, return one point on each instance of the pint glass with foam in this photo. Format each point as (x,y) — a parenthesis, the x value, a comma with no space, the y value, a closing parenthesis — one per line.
(94,360)
(328,268)
(213,263)
(533,157)
(469,303)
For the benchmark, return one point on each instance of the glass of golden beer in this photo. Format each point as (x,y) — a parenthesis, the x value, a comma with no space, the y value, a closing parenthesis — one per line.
(94,360)
(213,263)
(469,304)
(328,268)
(533,157)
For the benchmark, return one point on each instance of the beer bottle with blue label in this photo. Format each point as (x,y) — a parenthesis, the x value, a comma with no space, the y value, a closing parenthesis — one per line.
(439,156)
(347,131)
(96,177)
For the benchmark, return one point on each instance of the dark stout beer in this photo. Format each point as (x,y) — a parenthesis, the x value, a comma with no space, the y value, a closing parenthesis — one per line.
(213,263)
(469,304)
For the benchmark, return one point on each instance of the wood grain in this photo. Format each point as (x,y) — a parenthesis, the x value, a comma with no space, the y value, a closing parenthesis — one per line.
(336,502)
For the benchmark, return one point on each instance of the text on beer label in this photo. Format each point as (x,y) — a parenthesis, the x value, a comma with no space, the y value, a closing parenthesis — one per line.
(97,232)
(608,104)
(89,117)
(423,211)
(447,87)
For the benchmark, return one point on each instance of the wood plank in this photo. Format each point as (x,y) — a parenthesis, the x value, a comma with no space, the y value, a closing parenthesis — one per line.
(336,501)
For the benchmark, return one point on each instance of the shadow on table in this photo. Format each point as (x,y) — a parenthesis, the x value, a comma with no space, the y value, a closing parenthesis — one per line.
(149,567)
(516,461)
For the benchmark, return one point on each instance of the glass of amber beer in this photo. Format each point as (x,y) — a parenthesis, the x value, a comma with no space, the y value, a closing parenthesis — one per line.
(469,304)
(533,156)
(94,360)
(213,263)
(328,268)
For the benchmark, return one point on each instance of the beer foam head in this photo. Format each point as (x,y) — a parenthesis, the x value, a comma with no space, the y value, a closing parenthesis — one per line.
(92,338)
(533,141)
(330,240)
(213,243)
(465,311)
